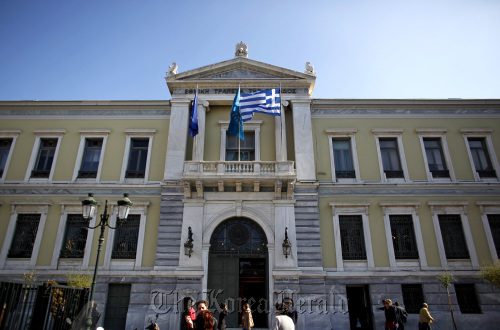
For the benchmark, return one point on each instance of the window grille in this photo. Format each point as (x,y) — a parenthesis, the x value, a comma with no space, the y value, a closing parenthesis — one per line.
(467,298)
(494,221)
(90,160)
(239,236)
(453,236)
(45,158)
(75,237)
(126,237)
(403,237)
(24,236)
(413,297)
(352,237)
(137,158)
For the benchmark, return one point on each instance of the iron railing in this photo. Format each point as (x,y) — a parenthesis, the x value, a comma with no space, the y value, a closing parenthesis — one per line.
(39,306)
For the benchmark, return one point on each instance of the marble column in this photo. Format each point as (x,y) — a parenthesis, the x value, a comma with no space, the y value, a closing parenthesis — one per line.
(177,139)
(303,140)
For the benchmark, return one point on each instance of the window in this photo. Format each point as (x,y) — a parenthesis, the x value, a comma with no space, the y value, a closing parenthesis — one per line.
(249,148)
(481,158)
(5,145)
(453,236)
(353,245)
(494,222)
(137,158)
(44,155)
(125,241)
(390,158)
(45,158)
(352,237)
(405,243)
(467,298)
(391,155)
(343,156)
(24,236)
(75,237)
(90,159)
(482,155)
(403,237)
(413,297)
(435,158)
(246,147)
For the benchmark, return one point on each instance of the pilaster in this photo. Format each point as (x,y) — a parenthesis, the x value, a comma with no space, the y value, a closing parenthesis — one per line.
(303,137)
(177,139)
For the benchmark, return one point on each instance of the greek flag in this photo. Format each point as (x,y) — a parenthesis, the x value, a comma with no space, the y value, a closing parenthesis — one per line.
(266,101)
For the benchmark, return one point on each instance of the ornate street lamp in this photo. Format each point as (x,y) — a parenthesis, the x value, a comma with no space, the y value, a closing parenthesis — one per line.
(287,246)
(188,246)
(89,207)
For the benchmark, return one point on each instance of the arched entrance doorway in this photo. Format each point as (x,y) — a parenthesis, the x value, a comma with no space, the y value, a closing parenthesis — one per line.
(238,268)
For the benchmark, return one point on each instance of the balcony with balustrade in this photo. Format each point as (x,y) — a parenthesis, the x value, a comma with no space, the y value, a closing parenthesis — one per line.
(255,176)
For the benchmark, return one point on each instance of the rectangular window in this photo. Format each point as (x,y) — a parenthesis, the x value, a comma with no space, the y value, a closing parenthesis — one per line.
(403,237)
(342,156)
(45,158)
(75,237)
(5,145)
(246,147)
(24,236)
(137,158)
(453,236)
(390,158)
(467,299)
(481,158)
(126,236)
(494,221)
(352,237)
(90,160)
(413,297)
(435,158)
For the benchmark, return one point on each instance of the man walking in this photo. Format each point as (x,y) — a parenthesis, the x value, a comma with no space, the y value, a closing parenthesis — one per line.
(425,318)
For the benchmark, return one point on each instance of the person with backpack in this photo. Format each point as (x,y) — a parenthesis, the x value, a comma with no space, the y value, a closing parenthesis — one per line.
(401,316)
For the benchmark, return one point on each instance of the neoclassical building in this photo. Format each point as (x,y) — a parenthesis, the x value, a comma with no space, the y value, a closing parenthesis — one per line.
(376,198)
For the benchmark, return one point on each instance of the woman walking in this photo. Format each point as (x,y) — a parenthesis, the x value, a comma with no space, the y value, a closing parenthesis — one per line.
(247,318)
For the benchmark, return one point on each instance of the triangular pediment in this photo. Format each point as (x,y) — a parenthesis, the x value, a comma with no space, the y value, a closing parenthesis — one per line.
(238,72)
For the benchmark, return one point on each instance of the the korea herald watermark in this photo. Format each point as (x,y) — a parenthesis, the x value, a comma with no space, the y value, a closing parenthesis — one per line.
(164,301)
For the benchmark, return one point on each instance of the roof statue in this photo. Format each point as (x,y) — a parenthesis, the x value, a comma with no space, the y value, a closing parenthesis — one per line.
(309,68)
(172,69)
(241,50)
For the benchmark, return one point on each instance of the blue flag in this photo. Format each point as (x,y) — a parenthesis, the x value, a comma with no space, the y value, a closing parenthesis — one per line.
(236,124)
(266,101)
(193,123)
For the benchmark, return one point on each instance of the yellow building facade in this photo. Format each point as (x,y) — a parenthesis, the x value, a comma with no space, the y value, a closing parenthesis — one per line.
(376,197)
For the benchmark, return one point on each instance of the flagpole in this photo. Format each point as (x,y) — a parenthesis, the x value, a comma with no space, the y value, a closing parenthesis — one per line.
(239,128)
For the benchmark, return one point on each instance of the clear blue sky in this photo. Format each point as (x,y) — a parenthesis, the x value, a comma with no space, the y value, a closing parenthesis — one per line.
(120,50)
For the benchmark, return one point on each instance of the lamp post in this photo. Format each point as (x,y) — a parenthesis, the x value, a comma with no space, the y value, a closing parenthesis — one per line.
(89,207)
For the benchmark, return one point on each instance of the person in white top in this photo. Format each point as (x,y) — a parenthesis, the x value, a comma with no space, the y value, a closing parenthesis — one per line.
(281,321)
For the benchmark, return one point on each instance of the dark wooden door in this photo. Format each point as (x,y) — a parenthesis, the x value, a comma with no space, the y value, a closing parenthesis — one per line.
(115,316)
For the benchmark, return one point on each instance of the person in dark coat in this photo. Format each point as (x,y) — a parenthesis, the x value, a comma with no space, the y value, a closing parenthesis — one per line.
(401,316)
(391,321)
(222,316)
(290,310)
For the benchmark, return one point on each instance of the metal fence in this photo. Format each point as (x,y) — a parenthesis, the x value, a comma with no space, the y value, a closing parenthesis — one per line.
(39,306)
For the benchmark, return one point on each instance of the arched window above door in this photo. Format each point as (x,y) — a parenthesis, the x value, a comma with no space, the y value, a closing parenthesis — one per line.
(239,236)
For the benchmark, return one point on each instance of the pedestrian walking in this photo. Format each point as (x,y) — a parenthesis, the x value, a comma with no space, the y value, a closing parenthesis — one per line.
(425,318)
(401,316)
(282,321)
(290,310)
(390,315)
(247,318)
(222,316)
